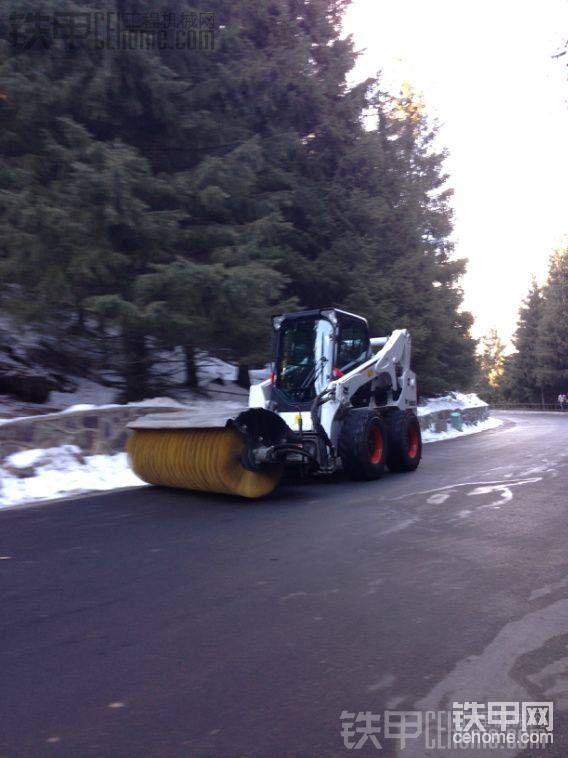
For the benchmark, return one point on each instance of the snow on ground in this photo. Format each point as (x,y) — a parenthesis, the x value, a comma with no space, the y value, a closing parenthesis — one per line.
(216,377)
(61,471)
(450,434)
(34,475)
(451,401)
(87,392)
(258,375)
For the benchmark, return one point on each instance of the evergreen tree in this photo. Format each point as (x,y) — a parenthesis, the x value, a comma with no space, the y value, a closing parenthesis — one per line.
(82,230)
(492,366)
(552,343)
(410,274)
(89,216)
(177,197)
(523,370)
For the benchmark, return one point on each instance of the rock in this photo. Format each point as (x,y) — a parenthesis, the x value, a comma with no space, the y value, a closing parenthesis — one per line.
(21,472)
(31,388)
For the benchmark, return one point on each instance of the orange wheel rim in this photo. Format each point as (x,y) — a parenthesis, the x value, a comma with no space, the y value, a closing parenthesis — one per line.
(376,444)
(413,441)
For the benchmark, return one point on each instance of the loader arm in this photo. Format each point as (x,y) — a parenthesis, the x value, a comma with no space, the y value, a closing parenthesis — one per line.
(392,361)
(392,382)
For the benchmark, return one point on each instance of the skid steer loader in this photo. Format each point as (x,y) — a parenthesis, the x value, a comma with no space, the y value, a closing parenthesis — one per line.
(336,398)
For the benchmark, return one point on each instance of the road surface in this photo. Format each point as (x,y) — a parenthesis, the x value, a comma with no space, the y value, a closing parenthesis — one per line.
(151,622)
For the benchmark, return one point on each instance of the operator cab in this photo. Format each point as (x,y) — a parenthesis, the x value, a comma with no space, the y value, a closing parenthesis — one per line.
(312,349)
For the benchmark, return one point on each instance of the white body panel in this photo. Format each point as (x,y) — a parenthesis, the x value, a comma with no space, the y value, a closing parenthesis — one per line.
(292,418)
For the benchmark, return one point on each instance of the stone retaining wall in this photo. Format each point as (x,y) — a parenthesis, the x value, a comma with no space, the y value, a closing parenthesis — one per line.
(103,430)
(439,420)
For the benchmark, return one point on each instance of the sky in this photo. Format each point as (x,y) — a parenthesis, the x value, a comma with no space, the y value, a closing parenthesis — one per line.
(487,73)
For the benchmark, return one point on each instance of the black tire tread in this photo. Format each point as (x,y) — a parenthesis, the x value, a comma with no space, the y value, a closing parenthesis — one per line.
(353,438)
(396,422)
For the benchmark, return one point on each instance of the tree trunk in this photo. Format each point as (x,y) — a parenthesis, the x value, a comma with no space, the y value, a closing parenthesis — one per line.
(243,379)
(81,317)
(191,379)
(136,364)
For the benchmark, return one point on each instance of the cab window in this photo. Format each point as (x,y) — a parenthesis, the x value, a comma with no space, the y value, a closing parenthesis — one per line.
(305,357)
(353,346)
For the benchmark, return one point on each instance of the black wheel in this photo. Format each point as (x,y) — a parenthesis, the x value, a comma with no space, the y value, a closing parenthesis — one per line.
(404,441)
(362,444)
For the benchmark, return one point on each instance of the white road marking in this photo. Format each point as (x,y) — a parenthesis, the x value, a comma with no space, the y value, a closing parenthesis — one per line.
(439,498)
(465,484)
(398,527)
(293,595)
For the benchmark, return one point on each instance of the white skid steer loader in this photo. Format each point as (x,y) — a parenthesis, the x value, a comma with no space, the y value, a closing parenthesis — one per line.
(335,399)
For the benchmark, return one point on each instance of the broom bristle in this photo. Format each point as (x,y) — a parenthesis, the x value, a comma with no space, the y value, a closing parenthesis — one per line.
(206,460)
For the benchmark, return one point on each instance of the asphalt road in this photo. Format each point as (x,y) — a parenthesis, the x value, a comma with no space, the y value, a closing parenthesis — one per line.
(162,623)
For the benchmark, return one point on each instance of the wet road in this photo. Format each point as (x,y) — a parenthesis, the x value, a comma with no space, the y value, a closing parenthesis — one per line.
(160,623)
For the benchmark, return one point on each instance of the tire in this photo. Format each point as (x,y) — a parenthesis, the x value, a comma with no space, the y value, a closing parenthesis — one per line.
(404,441)
(362,444)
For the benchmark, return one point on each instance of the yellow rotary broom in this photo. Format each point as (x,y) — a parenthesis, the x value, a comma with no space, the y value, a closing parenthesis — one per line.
(205,459)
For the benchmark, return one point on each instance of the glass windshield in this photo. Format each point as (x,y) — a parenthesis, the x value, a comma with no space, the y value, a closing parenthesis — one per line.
(305,359)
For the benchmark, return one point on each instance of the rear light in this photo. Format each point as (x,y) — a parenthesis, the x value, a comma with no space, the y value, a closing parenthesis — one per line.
(337,372)
(272,377)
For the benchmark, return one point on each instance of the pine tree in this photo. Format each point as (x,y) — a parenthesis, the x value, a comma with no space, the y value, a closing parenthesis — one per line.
(523,371)
(492,366)
(552,343)
(411,274)
(82,239)
(93,221)
(181,196)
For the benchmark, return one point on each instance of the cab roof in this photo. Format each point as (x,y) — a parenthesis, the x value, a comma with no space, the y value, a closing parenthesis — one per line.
(323,312)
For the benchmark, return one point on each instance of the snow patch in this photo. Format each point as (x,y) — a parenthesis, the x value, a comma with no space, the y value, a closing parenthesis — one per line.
(154,402)
(55,472)
(87,392)
(80,407)
(209,369)
(258,375)
(50,457)
(450,434)
(451,401)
